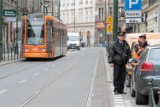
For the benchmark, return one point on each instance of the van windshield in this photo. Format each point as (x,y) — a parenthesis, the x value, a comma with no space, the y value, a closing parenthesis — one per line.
(73,38)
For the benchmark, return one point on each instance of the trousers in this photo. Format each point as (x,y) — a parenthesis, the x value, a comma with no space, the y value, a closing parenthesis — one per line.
(119,76)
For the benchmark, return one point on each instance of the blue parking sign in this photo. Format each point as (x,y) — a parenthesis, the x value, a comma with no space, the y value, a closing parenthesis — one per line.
(133,5)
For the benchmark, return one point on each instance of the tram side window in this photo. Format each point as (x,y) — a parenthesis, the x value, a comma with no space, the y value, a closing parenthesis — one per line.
(49,30)
(23,32)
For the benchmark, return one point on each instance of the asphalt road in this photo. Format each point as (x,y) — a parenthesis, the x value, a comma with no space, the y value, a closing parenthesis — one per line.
(64,82)
(80,79)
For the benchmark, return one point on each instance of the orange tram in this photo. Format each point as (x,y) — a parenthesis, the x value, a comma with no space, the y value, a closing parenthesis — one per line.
(43,37)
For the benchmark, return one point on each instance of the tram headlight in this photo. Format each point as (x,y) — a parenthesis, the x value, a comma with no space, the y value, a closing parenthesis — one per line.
(27,49)
(42,49)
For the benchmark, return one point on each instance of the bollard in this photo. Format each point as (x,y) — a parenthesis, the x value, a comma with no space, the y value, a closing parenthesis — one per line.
(150,84)
(158,105)
(151,94)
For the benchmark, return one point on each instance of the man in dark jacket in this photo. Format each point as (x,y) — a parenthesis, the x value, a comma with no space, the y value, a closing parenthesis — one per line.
(119,54)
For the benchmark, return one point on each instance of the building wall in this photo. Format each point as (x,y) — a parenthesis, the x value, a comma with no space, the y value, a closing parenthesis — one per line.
(149,17)
(84,12)
(101,38)
(152,19)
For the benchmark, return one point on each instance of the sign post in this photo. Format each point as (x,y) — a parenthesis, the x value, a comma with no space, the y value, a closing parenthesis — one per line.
(1,29)
(133,11)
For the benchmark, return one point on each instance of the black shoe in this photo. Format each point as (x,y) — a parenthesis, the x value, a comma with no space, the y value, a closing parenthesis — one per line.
(122,92)
(116,92)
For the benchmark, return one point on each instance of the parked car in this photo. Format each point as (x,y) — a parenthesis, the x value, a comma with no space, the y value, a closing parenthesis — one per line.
(147,68)
(132,38)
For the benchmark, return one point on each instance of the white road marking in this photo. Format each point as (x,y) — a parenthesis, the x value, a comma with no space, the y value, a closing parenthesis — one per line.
(92,84)
(127,103)
(3,91)
(118,100)
(58,62)
(116,97)
(53,65)
(36,74)
(22,81)
(119,105)
(46,69)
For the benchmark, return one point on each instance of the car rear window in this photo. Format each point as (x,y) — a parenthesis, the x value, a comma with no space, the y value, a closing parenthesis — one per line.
(154,54)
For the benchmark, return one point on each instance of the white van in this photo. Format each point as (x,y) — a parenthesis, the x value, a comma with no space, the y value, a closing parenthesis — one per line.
(73,41)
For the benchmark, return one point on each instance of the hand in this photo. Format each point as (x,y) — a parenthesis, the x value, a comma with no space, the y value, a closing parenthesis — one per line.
(112,65)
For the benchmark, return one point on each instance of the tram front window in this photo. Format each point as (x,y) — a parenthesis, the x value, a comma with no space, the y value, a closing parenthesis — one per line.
(35,32)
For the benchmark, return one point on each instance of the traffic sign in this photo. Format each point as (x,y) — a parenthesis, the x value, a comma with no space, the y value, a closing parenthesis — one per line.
(109,19)
(9,13)
(10,19)
(100,25)
(133,20)
(133,5)
(109,28)
(133,14)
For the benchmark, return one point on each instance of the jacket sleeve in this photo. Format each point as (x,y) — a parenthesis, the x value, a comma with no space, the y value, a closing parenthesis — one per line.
(128,52)
(111,52)
(135,50)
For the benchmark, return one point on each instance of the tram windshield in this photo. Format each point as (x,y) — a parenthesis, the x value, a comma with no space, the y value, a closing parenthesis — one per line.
(35,32)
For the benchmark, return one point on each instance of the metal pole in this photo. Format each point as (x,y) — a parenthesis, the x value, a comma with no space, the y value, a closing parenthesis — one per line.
(115,23)
(159,17)
(133,28)
(52,7)
(43,7)
(26,2)
(16,50)
(59,9)
(33,6)
(1,29)
(105,24)
(74,14)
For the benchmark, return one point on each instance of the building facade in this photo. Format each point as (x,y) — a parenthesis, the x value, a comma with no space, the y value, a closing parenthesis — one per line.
(149,17)
(52,6)
(79,15)
(104,10)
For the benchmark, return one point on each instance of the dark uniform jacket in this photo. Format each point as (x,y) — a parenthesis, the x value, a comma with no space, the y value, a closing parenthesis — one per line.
(119,54)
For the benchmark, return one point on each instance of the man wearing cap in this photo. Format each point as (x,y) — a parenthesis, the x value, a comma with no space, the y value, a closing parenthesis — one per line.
(118,55)
(140,46)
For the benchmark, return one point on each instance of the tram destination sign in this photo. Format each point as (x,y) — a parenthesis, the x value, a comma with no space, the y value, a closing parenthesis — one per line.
(9,13)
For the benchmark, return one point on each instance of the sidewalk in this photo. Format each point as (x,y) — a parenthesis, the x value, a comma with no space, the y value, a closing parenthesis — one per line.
(117,100)
(10,61)
(124,100)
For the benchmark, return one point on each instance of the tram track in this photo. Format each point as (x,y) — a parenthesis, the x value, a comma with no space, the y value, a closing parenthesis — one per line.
(16,72)
(42,89)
